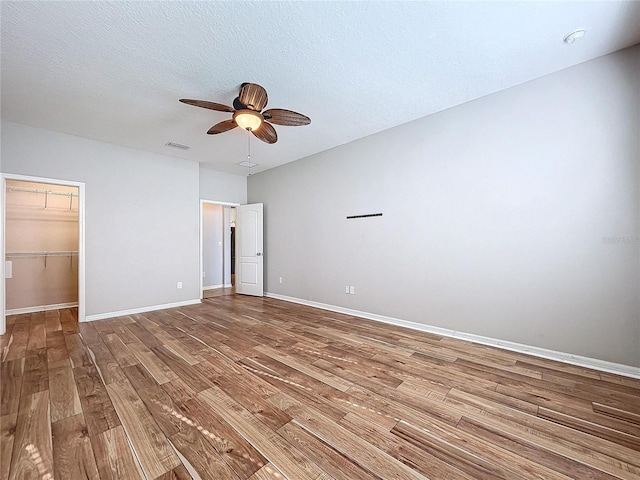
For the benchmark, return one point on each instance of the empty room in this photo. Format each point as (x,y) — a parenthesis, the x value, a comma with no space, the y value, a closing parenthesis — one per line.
(314,240)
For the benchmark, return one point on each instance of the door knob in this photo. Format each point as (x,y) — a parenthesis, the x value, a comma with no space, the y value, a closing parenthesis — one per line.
(258,254)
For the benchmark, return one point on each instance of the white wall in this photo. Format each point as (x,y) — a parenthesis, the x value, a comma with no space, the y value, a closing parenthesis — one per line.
(142,213)
(212,245)
(494,214)
(222,187)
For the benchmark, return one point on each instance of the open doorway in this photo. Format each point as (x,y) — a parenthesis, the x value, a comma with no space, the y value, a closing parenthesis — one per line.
(43,247)
(217,248)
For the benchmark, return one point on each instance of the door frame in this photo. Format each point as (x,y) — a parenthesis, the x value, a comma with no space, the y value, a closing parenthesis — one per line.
(202,203)
(81,240)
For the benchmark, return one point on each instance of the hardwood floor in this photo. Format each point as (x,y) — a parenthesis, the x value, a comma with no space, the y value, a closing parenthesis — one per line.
(218,292)
(253,388)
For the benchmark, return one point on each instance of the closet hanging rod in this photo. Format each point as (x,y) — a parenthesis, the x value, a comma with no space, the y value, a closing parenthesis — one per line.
(42,191)
(41,254)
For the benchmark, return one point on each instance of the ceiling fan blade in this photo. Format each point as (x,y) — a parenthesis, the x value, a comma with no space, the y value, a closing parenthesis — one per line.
(222,127)
(253,96)
(266,133)
(280,116)
(210,105)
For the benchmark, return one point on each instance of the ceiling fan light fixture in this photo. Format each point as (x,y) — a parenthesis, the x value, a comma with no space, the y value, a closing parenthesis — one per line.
(248,119)
(246,114)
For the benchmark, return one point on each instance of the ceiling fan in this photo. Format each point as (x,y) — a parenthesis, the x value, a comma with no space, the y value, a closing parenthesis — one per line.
(247,114)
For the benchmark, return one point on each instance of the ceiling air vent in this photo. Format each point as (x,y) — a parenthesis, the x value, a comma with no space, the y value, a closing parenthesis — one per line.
(177,145)
(247,164)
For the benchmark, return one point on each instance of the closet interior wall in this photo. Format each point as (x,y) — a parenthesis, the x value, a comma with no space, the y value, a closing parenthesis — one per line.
(41,246)
(216,248)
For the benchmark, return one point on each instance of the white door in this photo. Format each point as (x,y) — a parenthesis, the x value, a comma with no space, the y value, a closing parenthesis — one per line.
(249,253)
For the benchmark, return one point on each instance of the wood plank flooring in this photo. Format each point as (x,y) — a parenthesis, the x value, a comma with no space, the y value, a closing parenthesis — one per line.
(254,388)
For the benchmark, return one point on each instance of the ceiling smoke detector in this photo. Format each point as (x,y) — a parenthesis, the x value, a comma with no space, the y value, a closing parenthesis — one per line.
(571,38)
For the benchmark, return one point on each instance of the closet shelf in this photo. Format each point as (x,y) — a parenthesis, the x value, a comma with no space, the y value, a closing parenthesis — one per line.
(46,193)
(41,191)
(41,254)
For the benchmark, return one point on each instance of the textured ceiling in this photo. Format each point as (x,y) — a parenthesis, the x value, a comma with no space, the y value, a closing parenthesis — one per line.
(114,71)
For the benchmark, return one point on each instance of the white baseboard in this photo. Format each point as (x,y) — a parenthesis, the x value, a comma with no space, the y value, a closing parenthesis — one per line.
(594,363)
(41,308)
(216,287)
(151,308)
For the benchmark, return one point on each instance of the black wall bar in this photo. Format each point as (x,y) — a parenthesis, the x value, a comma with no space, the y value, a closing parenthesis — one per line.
(365,216)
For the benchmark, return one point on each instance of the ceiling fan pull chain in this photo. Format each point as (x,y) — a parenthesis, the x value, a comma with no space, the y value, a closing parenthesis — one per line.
(249,154)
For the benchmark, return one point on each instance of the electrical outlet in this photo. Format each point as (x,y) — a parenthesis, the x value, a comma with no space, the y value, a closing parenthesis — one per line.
(280,279)
(179,285)
(352,290)
(346,289)
(204,274)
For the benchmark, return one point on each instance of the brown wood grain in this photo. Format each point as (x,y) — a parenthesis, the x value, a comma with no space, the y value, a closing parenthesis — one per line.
(602,431)
(96,405)
(252,388)
(119,350)
(89,334)
(333,462)
(189,444)
(37,333)
(237,452)
(52,321)
(182,369)
(351,445)
(549,458)
(273,447)
(69,320)
(107,366)
(114,457)
(622,414)
(32,445)
(16,344)
(36,375)
(142,334)
(156,367)
(407,453)
(10,385)
(56,347)
(268,472)
(77,351)
(151,448)
(7,435)
(72,451)
(63,394)
(179,391)
(539,430)
(178,473)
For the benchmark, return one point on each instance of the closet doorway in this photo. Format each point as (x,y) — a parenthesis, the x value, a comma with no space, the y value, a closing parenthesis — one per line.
(42,244)
(217,242)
